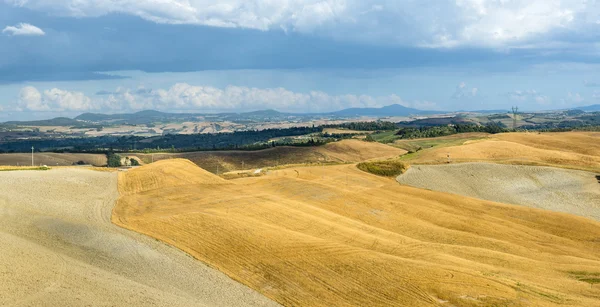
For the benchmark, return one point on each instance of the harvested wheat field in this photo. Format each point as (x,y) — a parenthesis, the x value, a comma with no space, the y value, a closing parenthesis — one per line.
(51,159)
(561,190)
(337,152)
(59,248)
(577,150)
(336,236)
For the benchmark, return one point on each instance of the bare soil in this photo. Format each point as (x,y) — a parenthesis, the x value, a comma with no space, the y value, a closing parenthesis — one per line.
(59,248)
(561,190)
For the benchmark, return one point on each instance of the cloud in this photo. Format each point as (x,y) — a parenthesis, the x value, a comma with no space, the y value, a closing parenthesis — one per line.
(23,29)
(463,91)
(185,97)
(528,96)
(53,100)
(490,23)
(573,99)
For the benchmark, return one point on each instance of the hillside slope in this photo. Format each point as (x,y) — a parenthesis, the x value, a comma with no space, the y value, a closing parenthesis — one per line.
(336,236)
(224,161)
(569,191)
(51,159)
(577,150)
(59,248)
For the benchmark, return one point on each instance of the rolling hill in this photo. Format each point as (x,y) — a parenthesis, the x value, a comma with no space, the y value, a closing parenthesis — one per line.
(576,150)
(52,159)
(591,108)
(336,236)
(337,152)
(391,110)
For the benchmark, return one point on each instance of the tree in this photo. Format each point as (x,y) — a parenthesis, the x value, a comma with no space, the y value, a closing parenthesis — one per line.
(114,160)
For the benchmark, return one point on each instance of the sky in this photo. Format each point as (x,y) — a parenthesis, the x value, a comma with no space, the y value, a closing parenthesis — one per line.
(67,57)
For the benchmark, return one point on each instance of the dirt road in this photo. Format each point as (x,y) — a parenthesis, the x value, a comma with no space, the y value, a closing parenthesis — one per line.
(561,190)
(59,248)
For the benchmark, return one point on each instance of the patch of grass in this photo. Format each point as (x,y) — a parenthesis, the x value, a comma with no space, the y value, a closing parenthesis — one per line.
(384,168)
(11,169)
(385,137)
(419,144)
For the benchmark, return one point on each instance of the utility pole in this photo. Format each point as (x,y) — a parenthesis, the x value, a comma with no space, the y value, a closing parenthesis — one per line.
(32,156)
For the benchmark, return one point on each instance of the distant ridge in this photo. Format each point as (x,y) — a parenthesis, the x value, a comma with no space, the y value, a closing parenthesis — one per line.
(59,121)
(392,110)
(153,116)
(592,108)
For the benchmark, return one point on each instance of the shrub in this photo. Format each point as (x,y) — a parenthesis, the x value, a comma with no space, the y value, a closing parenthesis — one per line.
(134,162)
(384,168)
(114,160)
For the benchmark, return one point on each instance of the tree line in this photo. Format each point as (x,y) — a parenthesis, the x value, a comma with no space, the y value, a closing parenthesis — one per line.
(366,126)
(176,142)
(436,131)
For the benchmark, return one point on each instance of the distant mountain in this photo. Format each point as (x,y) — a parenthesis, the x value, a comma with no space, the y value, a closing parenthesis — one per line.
(592,108)
(483,111)
(264,113)
(392,110)
(151,116)
(59,121)
(142,115)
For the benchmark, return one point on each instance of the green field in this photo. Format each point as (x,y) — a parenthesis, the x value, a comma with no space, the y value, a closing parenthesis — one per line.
(417,146)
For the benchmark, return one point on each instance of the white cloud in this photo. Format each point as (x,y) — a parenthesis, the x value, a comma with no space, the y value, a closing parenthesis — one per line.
(529,96)
(432,23)
(573,99)
(23,29)
(185,97)
(463,91)
(53,100)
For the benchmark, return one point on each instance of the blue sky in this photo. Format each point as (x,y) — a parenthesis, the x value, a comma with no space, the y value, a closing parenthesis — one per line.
(62,58)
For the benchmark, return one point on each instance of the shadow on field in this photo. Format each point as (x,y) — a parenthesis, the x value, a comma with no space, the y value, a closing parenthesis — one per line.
(598,177)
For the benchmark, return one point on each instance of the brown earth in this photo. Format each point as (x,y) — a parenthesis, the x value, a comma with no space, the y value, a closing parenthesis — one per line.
(336,236)
(225,161)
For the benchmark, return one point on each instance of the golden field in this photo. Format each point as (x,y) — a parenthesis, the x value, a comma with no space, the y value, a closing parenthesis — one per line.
(226,161)
(51,159)
(336,236)
(577,150)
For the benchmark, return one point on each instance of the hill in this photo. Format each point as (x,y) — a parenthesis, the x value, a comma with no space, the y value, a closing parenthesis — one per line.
(59,248)
(337,152)
(336,236)
(138,118)
(551,188)
(52,159)
(59,121)
(577,150)
(392,110)
(592,108)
